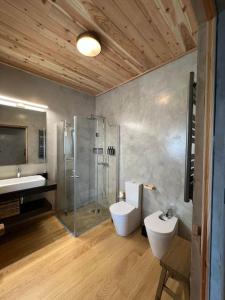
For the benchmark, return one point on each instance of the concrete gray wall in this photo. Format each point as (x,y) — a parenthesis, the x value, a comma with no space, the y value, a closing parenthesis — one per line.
(63,103)
(151,111)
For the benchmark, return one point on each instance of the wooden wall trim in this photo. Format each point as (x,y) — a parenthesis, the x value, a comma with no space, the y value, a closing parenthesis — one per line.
(208,157)
(203,161)
(197,198)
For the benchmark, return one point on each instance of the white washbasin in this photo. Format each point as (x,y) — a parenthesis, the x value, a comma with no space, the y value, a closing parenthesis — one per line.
(16,184)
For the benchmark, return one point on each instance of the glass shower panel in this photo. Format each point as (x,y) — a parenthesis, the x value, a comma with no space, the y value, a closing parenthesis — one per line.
(112,140)
(107,167)
(65,180)
(84,162)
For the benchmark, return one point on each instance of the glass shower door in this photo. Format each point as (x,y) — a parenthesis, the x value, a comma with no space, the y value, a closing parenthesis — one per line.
(65,174)
(88,210)
(83,187)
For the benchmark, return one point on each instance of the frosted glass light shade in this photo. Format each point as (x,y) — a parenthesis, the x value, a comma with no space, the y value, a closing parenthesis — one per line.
(88,44)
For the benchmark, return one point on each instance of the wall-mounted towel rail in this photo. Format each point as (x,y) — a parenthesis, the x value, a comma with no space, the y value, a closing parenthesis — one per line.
(190,148)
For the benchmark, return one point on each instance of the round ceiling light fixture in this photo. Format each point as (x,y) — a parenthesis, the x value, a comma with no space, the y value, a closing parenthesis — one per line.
(88,44)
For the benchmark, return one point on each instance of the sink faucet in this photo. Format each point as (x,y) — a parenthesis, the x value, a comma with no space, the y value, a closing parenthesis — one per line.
(18,174)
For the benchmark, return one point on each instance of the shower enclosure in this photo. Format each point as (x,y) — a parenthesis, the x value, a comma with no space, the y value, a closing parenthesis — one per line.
(88,166)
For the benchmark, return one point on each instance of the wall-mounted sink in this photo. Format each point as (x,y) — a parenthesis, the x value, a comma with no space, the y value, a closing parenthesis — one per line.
(16,184)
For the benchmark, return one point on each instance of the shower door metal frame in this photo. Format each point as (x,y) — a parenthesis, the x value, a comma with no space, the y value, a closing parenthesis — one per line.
(98,118)
(75,175)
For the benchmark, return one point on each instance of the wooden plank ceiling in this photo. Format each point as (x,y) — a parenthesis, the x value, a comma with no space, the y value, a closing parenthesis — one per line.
(39,36)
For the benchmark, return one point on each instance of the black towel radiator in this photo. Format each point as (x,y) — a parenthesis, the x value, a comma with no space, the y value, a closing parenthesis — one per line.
(190,138)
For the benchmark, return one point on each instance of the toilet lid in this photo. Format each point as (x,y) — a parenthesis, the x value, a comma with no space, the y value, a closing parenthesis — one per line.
(121,208)
(156,225)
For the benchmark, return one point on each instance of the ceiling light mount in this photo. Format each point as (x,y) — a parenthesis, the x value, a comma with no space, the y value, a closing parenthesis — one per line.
(88,44)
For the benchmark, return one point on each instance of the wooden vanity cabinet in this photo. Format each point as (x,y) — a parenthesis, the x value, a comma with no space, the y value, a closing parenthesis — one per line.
(9,208)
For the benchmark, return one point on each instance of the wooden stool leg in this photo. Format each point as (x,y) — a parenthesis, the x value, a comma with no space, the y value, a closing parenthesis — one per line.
(161,284)
(186,291)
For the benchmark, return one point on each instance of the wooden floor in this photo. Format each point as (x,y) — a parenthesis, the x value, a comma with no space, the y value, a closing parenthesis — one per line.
(43,261)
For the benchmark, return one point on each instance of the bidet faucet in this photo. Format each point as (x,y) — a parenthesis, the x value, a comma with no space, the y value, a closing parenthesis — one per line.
(168,213)
(18,174)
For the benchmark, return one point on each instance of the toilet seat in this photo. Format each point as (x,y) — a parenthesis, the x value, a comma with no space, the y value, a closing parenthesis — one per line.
(121,208)
(158,226)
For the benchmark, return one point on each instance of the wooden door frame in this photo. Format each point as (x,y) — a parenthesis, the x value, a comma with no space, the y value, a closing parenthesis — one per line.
(208,157)
(201,229)
(200,269)
(206,12)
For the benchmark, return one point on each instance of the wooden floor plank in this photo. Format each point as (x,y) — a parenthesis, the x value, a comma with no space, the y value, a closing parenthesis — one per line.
(45,262)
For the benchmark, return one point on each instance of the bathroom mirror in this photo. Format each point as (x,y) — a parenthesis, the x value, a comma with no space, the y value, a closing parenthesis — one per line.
(22,136)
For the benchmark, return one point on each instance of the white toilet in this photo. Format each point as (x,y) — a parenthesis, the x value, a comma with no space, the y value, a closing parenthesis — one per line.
(160,232)
(126,215)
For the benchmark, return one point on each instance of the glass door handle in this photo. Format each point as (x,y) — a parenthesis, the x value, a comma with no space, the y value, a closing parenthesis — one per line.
(75,176)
